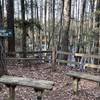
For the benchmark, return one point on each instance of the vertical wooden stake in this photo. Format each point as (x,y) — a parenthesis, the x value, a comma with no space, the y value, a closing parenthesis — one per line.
(12,92)
(53,58)
(75,86)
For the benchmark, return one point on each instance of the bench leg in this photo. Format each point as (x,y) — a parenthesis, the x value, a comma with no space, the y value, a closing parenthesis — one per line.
(12,92)
(39,96)
(39,93)
(75,85)
(99,84)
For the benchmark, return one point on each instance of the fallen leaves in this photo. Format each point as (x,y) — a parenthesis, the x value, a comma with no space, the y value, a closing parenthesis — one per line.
(63,84)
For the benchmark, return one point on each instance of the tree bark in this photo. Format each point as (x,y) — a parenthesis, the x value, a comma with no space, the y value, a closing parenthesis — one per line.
(32,26)
(46,23)
(97,20)
(10,24)
(24,31)
(3,69)
(53,31)
(61,28)
(67,18)
(0,15)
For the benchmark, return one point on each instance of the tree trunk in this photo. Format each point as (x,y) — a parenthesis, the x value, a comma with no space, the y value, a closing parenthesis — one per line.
(10,24)
(81,25)
(3,69)
(18,9)
(32,26)
(0,15)
(61,27)
(24,34)
(3,12)
(97,20)
(92,4)
(53,31)
(67,18)
(80,47)
(46,23)
(49,18)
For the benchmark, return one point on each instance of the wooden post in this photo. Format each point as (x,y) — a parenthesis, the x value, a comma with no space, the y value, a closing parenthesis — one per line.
(12,92)
(98,84)
(53,58)
(75,85)
(39,93)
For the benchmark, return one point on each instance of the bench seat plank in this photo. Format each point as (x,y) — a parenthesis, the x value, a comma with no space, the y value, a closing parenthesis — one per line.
(82,75)
(92,66)
(29,82)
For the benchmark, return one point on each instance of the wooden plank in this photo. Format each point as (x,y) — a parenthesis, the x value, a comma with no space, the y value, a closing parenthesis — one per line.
(17,58)
(92,66)
(84,76)
(65,53)
(29,82)
(29,52)
(87,55)
(65,61)
(79,54)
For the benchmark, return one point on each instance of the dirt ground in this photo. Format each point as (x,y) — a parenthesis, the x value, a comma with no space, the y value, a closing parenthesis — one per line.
(63,84)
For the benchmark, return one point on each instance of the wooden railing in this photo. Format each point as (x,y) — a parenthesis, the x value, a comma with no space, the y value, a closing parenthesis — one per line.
(38,57)
(87,57)
(29,52)
(79,54)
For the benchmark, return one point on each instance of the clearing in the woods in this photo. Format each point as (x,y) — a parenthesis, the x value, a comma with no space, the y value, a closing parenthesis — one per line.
(63,84)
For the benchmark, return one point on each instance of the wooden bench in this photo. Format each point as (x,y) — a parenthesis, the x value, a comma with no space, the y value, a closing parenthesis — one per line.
(39,85)
(81,75)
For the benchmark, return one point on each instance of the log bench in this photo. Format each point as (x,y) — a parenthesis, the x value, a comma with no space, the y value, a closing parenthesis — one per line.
(39,85)
(81,75)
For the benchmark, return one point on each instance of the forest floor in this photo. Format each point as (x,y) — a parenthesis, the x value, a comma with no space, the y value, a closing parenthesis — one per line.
(63,84)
